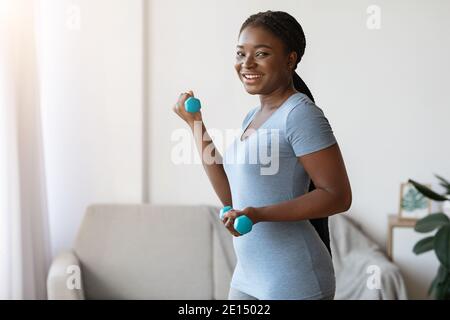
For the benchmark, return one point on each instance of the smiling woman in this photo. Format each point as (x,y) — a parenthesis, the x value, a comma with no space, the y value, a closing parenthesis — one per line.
(287,253)
(291,224)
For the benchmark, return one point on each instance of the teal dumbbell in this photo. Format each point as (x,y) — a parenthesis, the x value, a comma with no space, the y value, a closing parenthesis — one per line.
(242,224)
(192,105)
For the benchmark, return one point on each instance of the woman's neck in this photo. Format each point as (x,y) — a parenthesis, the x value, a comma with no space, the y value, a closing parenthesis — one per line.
(275,99)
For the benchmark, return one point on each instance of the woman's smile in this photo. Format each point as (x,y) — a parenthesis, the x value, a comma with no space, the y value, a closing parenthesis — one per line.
(251,78)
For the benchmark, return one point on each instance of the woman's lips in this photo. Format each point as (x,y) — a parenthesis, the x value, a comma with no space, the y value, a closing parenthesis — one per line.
(251,78)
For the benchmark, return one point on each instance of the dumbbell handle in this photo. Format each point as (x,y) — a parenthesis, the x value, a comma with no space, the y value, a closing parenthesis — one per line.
(242,224)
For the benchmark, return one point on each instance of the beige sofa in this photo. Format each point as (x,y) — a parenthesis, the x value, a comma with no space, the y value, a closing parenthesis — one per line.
(136,251)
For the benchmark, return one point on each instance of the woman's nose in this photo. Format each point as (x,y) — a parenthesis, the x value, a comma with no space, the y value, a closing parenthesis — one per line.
(248,62)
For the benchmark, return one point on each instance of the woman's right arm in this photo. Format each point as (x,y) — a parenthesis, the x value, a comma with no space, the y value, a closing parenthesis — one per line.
(214,169)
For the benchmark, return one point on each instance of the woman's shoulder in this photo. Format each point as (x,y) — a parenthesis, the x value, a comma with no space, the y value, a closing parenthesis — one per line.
(298,101)
(303,114)
(301,108)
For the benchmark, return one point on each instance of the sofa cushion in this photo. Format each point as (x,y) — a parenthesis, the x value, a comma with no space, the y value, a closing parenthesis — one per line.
(146,252)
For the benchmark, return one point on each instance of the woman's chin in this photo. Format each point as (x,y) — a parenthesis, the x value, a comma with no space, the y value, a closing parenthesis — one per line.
(252,89)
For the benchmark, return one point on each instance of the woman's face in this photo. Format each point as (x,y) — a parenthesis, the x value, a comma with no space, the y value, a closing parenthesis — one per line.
(262,63)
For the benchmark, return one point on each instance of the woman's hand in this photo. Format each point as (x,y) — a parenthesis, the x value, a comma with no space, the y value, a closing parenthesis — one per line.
(230,216)
(180,110)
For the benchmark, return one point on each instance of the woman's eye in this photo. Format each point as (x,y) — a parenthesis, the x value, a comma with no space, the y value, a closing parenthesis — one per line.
(263,54)
(239,54)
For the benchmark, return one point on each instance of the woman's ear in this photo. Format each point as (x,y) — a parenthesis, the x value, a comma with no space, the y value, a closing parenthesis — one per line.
(292,59)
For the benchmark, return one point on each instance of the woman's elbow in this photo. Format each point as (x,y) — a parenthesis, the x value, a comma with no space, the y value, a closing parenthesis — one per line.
(343,201)
(347,200)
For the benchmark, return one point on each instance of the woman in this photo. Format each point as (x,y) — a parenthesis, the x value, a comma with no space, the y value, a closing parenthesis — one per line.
(286,255)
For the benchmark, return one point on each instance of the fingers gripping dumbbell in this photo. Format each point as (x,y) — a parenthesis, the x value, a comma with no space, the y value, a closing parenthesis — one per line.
(242,224)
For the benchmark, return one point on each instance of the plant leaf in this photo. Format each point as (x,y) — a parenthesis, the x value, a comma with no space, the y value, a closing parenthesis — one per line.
(444,182)
(442,289)
(439,292)
(447,287)
(444,185)
(437,281)
(432,289)
(448,189)
(427,192)
(442,272)
(442,246)
(431,222)
(424,245)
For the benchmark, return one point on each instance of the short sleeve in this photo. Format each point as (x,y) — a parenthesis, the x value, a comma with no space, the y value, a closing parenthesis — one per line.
(308,130)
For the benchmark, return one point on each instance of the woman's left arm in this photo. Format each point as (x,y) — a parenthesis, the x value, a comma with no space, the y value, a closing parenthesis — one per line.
(332,195)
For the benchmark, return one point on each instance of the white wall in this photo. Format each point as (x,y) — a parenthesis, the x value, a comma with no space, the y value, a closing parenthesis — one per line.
(384,91)
(91,100)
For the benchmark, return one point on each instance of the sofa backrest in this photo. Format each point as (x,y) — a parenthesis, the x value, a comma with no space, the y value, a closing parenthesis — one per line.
(139,251)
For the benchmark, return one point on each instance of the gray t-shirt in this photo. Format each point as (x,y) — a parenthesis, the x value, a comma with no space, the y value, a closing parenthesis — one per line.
(279,260)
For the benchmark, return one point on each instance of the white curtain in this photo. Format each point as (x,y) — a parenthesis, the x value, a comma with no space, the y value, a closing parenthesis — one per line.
(24,236)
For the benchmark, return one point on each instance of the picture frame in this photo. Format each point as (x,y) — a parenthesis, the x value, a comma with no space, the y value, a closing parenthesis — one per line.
(413,205)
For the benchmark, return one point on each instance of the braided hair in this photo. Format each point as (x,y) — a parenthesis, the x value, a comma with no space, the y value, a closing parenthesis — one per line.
(286,28)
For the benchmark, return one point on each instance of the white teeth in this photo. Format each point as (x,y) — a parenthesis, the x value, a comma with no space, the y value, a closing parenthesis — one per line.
(252,76)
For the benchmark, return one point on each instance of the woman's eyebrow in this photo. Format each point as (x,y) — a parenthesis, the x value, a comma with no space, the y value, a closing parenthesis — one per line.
(257,46)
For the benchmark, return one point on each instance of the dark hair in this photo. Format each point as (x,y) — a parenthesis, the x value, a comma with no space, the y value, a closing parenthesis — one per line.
(285,27)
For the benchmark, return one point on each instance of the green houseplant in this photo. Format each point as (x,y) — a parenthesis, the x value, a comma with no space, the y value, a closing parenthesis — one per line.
(439,242)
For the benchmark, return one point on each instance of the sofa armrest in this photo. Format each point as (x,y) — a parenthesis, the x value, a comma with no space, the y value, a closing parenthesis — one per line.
(64,281)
